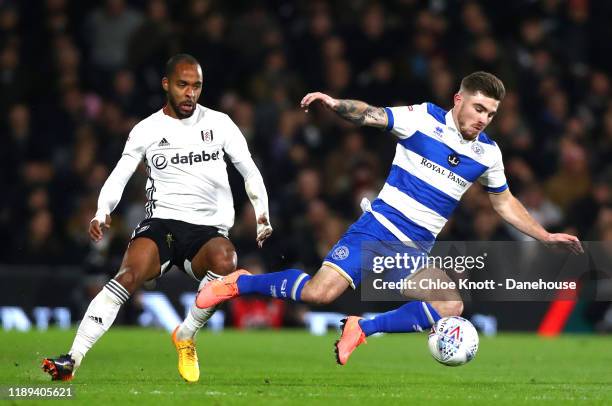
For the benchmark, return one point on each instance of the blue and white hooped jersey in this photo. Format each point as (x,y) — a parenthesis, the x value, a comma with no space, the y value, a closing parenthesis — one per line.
(433,167)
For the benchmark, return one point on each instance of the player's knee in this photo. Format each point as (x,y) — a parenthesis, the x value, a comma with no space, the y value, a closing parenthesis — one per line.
(129,279)
(223,262)
(448,308)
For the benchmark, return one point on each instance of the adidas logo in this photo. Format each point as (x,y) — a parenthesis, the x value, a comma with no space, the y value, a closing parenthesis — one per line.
(96,319)
(163,143)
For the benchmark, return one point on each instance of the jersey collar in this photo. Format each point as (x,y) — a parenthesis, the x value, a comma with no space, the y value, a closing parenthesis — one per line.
(189,121)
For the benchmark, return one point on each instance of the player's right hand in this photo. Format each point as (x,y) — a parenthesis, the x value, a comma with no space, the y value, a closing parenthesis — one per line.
(96,229)
(264,229)
(565,242)
(327,101)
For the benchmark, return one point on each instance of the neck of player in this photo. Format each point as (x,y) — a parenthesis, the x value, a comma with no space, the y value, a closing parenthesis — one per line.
(169,111)
(456,122)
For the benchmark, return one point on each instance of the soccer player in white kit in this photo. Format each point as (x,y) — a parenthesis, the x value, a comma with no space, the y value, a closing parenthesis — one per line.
(188,212)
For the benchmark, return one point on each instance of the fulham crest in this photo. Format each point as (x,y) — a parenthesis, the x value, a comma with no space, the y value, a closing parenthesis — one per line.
(207,136)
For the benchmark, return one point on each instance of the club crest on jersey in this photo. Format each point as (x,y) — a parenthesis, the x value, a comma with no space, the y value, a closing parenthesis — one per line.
(453,159)
(340,253)
(477,148)
(207,136)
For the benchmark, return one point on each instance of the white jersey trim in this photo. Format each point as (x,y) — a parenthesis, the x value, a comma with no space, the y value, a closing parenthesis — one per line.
(420,214)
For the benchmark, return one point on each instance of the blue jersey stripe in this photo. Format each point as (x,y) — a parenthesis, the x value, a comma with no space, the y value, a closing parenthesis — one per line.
(421,191)
(496,189)
(438,152)
(484,138)
(390,119)
(437,112)
(412,230)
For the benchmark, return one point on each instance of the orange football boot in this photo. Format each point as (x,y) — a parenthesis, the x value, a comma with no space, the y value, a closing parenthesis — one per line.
(351,338)
(219,290)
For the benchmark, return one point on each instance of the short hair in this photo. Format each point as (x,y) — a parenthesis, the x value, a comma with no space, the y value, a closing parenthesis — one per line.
(179,58)
(485,83)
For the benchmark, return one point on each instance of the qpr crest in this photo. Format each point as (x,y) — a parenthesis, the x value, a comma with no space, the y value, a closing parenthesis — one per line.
(477,148)
(207,136)
(340,253)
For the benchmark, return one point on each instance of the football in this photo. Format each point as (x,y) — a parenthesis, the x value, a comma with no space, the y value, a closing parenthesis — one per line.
(453,341)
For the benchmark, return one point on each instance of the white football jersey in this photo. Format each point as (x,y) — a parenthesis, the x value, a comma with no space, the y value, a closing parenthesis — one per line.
(187,174)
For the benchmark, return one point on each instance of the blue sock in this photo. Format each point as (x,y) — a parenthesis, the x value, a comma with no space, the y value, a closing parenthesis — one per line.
(411,317)
(287,284)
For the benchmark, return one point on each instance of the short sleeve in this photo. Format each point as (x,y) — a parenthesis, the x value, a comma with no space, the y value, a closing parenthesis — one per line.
(235,145)
(403,121)
(494,178)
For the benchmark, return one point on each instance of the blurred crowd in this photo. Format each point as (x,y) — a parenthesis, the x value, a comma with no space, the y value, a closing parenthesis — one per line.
(76,76)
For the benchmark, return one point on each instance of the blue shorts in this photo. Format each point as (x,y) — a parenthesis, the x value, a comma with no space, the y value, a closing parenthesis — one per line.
(361,248)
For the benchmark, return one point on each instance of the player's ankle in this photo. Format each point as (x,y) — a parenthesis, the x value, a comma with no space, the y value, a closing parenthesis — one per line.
(77,357)
(185,333)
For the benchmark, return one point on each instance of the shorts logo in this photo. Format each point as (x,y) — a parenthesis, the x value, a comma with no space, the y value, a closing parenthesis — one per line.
(477,148)
(159,161)
(207,136)
(340,253)
(143,228)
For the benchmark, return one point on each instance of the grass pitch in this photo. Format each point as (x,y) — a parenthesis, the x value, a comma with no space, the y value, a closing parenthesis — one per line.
(137,366)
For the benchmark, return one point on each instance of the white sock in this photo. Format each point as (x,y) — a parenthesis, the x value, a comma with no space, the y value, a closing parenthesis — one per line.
(196,318)
(99,316)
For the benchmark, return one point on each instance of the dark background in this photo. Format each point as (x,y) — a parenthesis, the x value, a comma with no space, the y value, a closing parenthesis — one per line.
(76,76)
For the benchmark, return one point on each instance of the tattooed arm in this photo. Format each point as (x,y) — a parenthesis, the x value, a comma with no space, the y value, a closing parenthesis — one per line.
(354,111)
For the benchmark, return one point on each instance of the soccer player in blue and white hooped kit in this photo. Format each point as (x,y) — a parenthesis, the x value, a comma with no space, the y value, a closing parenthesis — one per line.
(188,213)
(439,155)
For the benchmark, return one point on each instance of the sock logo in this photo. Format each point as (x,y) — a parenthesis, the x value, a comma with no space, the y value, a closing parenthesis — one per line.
(273,291)
(284,288)
(96,319)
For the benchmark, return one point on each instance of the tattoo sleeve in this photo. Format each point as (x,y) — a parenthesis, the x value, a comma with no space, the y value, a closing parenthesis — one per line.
(361,113)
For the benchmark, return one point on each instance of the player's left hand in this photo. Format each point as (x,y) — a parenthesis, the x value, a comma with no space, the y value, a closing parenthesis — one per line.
(264,229)
(565,241)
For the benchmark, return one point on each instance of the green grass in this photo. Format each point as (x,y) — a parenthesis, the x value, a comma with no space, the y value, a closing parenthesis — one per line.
(133,366)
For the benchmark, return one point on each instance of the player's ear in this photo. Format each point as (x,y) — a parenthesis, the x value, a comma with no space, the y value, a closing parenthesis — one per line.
(165,83)
(457,98)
